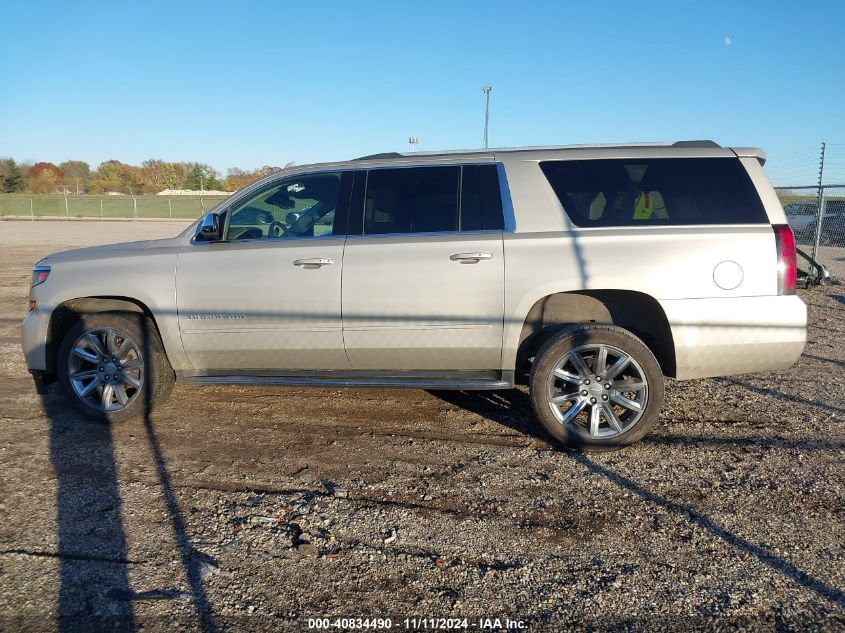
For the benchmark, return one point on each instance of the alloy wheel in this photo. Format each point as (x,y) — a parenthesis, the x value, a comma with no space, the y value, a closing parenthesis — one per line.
(597,391)
(106,369)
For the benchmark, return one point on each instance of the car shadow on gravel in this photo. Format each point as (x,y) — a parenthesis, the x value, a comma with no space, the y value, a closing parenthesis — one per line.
(832,361)
(94,589)
(763,554)
(92,548)
(780,395)
(194,562)
(735,441)
(512,409)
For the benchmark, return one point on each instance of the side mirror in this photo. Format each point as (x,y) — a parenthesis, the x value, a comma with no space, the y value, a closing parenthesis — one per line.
(210,230)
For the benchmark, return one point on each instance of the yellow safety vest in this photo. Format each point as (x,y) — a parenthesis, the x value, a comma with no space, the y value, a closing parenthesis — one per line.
(644,206)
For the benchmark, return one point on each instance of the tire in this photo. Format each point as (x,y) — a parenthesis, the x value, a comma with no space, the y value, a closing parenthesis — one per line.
(88,379)
(624,416)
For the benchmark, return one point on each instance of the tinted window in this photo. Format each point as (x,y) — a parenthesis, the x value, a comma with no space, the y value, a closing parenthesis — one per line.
(299,206)
(356,203)
(655,191)
(411,200)
(481,200)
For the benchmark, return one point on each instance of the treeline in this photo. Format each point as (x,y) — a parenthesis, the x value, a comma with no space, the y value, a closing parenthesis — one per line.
(152,176)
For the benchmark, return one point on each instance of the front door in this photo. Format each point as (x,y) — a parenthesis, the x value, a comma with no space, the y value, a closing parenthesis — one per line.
(267,297)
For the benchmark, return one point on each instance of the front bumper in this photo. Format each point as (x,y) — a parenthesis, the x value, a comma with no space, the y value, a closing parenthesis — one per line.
(34,339)
(736,335)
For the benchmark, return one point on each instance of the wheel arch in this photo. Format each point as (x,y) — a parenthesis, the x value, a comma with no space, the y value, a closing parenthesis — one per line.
(68,313)
(637,312)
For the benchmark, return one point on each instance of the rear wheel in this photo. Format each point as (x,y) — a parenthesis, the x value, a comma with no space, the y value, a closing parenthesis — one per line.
(596,387)
(112,366)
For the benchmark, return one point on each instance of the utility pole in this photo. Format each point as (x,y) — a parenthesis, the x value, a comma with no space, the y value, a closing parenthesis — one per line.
(819,201)
(413,140)
(486,90)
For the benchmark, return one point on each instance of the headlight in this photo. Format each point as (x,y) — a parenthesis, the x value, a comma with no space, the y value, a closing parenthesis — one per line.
(39,275)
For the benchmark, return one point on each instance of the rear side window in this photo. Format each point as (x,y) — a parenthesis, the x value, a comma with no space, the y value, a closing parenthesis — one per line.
(430,199)
(411,200)
(660,191)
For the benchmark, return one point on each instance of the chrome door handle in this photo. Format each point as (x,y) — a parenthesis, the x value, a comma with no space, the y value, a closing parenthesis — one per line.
(470,258)
(313,262)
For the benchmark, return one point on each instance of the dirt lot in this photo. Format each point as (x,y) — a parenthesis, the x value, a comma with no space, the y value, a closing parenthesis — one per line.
(254,508)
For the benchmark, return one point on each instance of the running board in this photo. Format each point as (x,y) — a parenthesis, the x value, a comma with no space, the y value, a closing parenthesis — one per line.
(472,382)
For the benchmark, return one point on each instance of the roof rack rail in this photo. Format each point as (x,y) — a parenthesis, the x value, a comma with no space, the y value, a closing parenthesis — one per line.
(688,144)
(379,156)
(703,143)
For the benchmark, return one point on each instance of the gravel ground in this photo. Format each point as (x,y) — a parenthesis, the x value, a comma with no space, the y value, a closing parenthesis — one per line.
(254,508)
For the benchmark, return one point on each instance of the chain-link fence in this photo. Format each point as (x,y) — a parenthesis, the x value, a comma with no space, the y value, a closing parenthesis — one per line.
(48,206)
(817,217)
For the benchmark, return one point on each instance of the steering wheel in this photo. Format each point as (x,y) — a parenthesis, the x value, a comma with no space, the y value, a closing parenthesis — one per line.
(277,229)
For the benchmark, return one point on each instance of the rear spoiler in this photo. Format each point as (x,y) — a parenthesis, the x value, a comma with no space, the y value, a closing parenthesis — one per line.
(750,152)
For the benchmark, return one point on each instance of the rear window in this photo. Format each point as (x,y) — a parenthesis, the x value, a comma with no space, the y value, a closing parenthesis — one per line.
(659,191)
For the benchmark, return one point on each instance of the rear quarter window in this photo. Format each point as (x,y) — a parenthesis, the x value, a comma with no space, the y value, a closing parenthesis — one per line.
(654,192)
(481,199)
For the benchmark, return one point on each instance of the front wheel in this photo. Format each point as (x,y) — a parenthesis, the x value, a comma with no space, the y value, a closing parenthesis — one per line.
(112,366)
(596,387)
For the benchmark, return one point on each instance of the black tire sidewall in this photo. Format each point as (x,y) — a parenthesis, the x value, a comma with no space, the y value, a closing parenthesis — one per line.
(158,375)
(562,343)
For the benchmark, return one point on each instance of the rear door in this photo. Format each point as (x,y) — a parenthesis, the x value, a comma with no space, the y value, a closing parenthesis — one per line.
(423,279)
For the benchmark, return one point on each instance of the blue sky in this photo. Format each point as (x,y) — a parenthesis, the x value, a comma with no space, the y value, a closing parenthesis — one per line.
(252,83)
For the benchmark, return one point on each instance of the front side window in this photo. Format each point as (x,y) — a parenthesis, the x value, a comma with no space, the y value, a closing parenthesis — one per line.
(298,206)
(660,191)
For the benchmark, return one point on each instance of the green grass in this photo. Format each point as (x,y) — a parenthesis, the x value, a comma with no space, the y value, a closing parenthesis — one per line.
(50,205)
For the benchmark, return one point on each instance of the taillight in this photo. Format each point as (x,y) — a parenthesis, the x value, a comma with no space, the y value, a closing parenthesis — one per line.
(787,259)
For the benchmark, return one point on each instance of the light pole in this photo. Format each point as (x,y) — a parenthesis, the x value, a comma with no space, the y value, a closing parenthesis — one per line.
(413,140)
(486,90)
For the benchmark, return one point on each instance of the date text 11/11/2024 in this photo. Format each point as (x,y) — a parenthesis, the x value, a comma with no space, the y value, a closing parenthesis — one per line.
(418,624)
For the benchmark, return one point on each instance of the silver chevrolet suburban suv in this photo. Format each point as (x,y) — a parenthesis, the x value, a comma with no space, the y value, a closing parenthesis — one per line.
(589,272)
